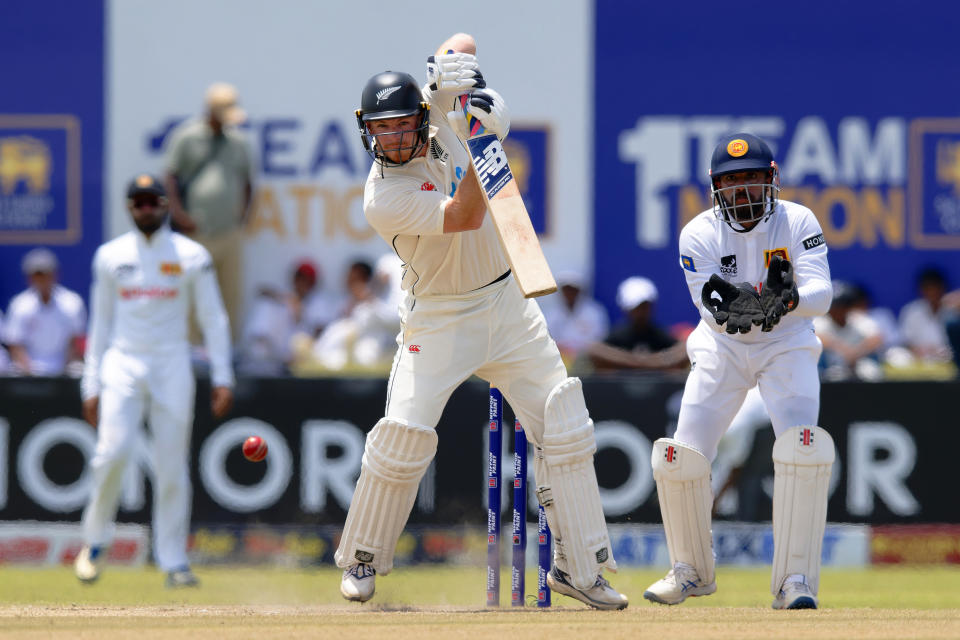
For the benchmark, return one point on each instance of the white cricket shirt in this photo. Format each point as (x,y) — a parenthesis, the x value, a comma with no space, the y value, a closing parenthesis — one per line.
(708,245)
(406,207)
(140,299)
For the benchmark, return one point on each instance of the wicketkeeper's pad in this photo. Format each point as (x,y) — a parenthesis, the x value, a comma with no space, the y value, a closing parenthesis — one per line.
(802,460)
(686,502)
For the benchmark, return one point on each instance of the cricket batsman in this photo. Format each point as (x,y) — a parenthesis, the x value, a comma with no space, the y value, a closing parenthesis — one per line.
(463,314)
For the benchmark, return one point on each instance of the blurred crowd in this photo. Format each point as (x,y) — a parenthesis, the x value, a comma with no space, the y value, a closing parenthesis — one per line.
(310,326)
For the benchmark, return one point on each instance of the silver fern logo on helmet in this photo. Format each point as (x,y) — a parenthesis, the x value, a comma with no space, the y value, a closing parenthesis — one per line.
(383,94)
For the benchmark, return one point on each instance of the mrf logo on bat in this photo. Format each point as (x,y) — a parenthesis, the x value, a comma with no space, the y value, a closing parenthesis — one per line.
(492,168)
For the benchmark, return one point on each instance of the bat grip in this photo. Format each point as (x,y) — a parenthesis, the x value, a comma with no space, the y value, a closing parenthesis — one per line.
(474,126)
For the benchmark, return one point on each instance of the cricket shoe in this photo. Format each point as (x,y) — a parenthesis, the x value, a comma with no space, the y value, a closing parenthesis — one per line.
(795,594)
(358,582)
(182,577)
(87,564)
(680,583)
(600,596)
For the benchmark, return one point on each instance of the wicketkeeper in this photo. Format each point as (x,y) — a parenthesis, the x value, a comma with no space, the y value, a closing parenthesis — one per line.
(757,271)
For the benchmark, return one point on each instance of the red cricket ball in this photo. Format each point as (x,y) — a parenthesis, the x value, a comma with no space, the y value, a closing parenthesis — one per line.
(254,449)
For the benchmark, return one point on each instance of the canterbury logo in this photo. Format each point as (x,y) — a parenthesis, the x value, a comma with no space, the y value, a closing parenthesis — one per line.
(363,556)
(383,94)
(414,348)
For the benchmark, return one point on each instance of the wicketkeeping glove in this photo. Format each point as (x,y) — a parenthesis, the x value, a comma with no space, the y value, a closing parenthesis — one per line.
(454,73)
(779,295)
(739,305)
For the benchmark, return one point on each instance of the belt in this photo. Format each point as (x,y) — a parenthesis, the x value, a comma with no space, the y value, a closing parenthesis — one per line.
(502,277)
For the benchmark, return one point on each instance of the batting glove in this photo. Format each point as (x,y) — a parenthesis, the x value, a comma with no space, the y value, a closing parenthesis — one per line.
(489,108)
(453,73)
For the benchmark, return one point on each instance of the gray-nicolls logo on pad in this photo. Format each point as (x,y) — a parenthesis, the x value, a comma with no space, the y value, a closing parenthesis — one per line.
(383,94)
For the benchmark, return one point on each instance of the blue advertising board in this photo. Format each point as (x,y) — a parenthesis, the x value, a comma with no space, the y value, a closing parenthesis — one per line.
(51,137)
(857,105)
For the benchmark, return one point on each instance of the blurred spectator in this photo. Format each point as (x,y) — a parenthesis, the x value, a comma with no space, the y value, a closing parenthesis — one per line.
(923,322)
(45,324)
(575,320)
(852,341)
(638,342)
(884,317)
(278,321)
(387,280)
(365,334)
(209,188)
(314,307)
(4,358)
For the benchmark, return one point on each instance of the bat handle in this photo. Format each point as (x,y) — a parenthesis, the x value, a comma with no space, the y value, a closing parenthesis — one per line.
(474,126)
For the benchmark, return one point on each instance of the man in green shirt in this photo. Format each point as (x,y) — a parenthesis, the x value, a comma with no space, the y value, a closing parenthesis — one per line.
(209,187)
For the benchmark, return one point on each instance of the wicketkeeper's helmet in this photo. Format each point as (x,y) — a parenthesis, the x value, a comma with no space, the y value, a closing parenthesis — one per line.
(743,152)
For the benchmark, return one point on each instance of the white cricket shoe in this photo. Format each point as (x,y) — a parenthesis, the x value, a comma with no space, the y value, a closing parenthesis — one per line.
(680,583)
(600,596)
(795,594)
(87,564)
(358,582)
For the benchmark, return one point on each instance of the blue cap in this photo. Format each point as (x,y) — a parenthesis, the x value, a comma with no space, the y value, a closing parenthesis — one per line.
(740,152)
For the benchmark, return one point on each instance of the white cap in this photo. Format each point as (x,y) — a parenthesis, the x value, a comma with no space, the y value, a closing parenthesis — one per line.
(39,260)
(221,102)
(571,278)
(634,291)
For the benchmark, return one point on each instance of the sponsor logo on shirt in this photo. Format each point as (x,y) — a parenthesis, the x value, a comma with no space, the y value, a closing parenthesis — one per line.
(813,241)
(728,265)
(124,270)
(769,253)
(128,293)
(687,263)
(170,268)
(428,186)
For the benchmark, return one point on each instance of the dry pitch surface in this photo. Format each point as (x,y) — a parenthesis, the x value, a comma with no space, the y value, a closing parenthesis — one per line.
(919,602)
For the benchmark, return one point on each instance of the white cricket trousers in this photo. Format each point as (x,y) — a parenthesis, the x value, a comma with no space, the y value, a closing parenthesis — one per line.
(161,388)
(724,369)
(493,332)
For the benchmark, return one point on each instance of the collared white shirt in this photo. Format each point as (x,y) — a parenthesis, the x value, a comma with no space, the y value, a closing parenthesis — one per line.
(140,297)
(45,330)
(709,245)
(406,207)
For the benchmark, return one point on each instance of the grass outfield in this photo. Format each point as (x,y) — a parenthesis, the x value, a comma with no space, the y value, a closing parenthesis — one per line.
(448,602)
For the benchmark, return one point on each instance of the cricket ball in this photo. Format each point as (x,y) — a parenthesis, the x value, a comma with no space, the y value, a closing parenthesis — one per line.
(254,449)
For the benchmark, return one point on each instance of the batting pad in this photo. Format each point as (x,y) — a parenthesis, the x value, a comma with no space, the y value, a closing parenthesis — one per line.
(686,502)
(568,487)
(394,459)
(802,460)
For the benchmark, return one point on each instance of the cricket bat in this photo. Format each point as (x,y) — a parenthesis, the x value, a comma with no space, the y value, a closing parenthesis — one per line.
(506,207)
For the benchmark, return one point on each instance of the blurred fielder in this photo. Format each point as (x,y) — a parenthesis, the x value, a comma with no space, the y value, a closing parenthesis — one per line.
(138,365)
(757,271)
(463,314)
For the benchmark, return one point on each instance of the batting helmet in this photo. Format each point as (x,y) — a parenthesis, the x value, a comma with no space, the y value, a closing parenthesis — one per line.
(736,205)
(393,94)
